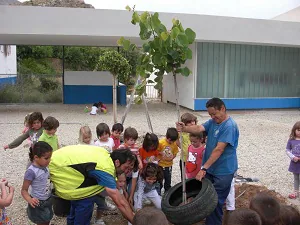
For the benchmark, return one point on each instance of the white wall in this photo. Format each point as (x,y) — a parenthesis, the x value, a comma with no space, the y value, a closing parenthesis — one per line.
(8,64)
(292,15)
(88,78)
(186,85)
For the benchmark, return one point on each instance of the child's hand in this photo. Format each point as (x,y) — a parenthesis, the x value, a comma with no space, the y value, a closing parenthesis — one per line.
(130,200)
(5,147)
(140,166)
(3,182)
(295,159)
(11,189)
(34,202)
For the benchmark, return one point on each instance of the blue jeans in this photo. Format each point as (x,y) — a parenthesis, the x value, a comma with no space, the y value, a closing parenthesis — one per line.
(81,211)
(167,179)
(222,185)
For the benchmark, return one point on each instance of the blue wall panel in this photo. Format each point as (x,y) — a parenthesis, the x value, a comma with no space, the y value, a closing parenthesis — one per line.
(8,80)
(86,94)
(253,103)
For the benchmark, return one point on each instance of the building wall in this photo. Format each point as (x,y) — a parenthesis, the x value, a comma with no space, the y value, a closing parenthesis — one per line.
(186,85)
(8,65)
(292,15)
(84,87)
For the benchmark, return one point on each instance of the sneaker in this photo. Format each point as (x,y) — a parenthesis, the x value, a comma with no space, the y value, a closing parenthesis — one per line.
(99,222)
(109,205)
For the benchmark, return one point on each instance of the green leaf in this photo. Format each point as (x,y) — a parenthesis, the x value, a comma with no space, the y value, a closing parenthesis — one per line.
(175,22)
(146,47)
(132,47)
(184,71)
(189,53)
(157,59)
(128,8)
(155,21)
(126,44)
(144,17)
(182,40)
(174,32)
(135,18)
(174,54)
(138,100)
(160,29)
(191,35)
(164,36)
(144,32)
(120,41)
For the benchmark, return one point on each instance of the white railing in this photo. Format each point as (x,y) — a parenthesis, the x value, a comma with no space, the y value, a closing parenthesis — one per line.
(151,92)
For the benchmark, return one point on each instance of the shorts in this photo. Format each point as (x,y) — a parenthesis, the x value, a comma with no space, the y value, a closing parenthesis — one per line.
(42,213)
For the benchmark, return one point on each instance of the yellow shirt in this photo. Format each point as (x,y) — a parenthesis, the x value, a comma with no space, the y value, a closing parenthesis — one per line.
(185,144)
(166,149)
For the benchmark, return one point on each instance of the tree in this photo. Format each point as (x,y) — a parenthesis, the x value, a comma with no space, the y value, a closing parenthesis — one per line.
(164,52)
(117,65)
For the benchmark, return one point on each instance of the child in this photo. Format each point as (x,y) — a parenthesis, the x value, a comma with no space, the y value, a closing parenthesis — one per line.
(289,215)
(85,136)
(146,186)
(293,151)
(148,152)
(188,119)
(96,107)
(150,216)
(37,175)
(130,137)
(5,200)
(267,208)
(102,107)
(50,125)
(195,154)
(116,131)
(244,217)
(104,139)
(26,128)
(121,184)
(167,152)
(35,121)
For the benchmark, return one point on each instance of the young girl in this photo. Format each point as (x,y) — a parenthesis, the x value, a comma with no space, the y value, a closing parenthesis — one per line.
(85,136)
(98,106)
(35,121)
(195,154)
(146,186)
(148,152)
(39,208)
(5,201)
(104,139)
(293,151)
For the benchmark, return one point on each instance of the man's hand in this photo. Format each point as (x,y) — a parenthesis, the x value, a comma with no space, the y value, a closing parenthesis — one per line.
(200,175)
(34,202)
(180,126)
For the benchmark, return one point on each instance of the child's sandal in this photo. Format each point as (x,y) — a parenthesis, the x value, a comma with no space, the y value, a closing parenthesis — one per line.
(293,196)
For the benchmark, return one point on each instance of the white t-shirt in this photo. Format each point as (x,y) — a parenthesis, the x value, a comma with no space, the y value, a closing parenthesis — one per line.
(94,110)
(108,145)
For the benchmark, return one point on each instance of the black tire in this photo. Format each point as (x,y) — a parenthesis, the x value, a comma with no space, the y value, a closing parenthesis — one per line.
(204,202)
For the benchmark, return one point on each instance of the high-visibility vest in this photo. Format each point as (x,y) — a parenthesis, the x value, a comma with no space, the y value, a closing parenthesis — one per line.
(69,168)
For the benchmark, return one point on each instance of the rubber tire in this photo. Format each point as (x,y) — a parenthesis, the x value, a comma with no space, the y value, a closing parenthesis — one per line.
(204,202)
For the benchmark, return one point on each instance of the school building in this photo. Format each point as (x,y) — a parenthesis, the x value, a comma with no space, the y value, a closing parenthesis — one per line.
(249,63)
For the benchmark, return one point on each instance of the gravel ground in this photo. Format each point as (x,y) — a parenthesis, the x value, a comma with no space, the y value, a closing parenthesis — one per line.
(261,151)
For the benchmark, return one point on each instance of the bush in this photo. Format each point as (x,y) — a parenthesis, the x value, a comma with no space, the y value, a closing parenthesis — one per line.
(48,84)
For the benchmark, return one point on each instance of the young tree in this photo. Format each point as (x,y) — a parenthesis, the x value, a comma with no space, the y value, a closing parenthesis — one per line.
(117,65)
(163,52)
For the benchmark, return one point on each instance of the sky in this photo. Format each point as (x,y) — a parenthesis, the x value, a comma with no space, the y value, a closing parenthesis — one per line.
(260,9)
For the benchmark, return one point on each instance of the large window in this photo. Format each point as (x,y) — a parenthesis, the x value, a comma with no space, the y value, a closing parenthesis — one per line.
(245,71)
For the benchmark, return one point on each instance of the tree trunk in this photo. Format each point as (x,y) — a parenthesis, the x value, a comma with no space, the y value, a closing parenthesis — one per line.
(115,98)
(180,139)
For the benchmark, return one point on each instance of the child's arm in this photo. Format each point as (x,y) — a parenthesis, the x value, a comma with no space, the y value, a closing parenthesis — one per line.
(140,162)
(32,201)
(289,152)
(132,190)
(139,194)
(18,141)
(6,198)
(125,193)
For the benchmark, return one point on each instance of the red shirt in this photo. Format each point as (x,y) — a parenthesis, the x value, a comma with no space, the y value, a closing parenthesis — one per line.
(194,161)
(147,157)
(116,141)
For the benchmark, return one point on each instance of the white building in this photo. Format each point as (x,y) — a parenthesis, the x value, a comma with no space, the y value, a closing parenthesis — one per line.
(249,63)
(8,64)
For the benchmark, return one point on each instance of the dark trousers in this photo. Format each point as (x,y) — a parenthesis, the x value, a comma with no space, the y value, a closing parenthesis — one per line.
(167,178)
(81,211)
(222,185)
(180,166)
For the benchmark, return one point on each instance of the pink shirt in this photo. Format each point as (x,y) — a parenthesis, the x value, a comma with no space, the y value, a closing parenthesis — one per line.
(134,148)
(194,161)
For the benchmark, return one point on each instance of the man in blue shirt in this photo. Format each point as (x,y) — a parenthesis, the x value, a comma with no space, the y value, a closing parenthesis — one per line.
(220,160)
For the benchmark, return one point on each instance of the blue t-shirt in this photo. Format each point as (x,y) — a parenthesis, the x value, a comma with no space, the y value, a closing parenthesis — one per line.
(226,132)
(104,179)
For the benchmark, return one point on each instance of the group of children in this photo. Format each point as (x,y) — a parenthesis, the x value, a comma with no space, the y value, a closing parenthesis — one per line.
(149,176)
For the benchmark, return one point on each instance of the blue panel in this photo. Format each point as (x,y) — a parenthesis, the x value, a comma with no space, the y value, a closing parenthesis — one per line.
(8,80)
(253,103)
(86,94)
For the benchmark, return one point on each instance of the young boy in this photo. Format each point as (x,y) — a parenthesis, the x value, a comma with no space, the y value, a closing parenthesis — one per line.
(188,119)
(116,131)
(50,125)
(150,216)
(103,135)
(243,217)
(267,207)
(167,152)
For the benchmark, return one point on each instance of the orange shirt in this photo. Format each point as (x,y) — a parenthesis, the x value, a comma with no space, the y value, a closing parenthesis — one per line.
(147,157)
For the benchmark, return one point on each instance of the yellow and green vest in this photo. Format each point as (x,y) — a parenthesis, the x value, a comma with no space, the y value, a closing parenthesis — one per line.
(69,167)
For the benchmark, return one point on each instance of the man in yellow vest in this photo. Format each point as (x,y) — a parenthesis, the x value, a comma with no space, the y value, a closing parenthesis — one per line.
(80,172)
